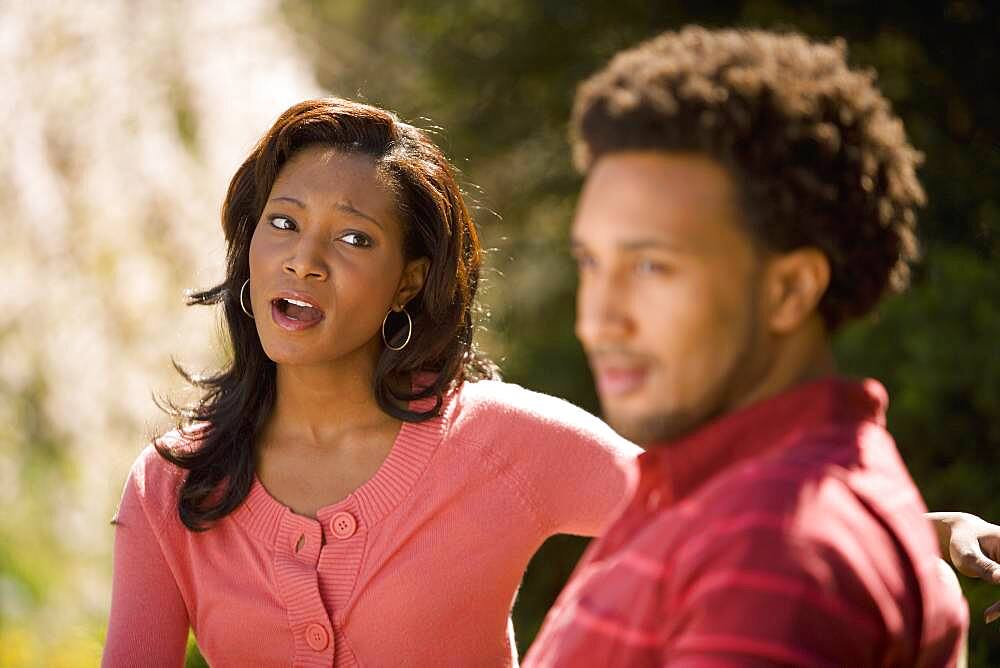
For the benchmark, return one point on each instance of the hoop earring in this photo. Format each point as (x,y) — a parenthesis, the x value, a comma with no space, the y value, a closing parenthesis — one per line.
(242,289)
(409,331)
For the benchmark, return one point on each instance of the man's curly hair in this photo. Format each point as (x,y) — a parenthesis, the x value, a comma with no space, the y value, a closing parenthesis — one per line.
(817,154)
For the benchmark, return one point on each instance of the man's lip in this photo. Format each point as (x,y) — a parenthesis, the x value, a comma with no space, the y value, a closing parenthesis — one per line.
(616,381)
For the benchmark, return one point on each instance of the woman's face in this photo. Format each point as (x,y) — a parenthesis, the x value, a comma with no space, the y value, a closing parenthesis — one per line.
(326,260)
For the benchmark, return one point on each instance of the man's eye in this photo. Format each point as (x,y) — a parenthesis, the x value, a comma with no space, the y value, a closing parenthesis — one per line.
(584,260)
(357,239)
(282,223)
(649,267)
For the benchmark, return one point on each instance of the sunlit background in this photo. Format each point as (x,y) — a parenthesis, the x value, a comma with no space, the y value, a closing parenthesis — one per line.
(121,123)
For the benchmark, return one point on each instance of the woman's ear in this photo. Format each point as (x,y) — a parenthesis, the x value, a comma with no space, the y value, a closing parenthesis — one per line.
(796,283)
(412,281)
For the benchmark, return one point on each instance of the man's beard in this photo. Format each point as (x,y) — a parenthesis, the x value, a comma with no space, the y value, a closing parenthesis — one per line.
(655,429)
(672,423)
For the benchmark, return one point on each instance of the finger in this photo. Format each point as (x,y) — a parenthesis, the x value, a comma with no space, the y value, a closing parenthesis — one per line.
(975,564)
(990,546)
(990,570)
(992,613)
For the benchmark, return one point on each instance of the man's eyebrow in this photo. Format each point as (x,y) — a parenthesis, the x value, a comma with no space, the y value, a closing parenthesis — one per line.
(645,244)
(345,207)
(634,245)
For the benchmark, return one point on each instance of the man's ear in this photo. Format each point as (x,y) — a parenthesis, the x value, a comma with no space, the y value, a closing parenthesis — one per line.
(412,281)
(795,283)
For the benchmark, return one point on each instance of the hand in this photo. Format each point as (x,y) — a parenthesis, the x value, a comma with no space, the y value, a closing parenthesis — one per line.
(973,545)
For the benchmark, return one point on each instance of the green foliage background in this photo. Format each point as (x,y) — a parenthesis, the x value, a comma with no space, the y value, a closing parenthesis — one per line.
(499,76)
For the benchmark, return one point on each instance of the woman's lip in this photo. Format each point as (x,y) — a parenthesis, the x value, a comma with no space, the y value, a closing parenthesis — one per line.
(290,324)
(615,382)
(297,296)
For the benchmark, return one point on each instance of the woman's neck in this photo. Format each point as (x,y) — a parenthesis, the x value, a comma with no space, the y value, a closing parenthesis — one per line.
(317,405)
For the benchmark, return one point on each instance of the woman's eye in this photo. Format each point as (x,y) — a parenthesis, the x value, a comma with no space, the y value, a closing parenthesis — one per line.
(357,239)
(282,223)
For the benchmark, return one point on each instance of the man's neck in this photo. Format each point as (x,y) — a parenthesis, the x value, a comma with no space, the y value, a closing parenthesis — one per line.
(801,357)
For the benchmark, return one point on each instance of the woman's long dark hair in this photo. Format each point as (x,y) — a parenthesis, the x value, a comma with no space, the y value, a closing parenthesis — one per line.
(238,399)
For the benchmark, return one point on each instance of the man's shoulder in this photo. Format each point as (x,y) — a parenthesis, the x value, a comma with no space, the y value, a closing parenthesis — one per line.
(835,525)
(824,507)
(781,482)
(832,464)
(827,492)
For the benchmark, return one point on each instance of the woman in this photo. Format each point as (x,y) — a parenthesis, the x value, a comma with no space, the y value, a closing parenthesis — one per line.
(355,486)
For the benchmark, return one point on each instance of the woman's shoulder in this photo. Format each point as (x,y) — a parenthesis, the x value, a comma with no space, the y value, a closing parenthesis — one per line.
(486,399)
(156,479)
(498,407)
(569,465)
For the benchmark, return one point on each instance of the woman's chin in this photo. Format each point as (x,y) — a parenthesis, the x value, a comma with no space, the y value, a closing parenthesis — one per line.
(287,351)
(294,355)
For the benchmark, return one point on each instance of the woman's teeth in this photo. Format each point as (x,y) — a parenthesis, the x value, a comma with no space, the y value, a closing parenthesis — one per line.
(298,310)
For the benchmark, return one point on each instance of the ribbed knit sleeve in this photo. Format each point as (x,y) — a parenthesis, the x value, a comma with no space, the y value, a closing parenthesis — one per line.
(581,470)
(573,468)
(149,623)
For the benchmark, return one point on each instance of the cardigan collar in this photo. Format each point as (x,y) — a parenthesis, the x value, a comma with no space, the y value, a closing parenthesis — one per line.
(263,515)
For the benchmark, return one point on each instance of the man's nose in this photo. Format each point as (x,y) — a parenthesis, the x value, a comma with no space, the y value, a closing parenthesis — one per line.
(603,309)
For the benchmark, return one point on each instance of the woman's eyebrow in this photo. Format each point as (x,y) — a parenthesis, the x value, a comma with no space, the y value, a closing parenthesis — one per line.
(349,208)
(286,198)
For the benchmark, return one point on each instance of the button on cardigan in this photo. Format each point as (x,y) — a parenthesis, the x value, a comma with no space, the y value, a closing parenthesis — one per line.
(418,566)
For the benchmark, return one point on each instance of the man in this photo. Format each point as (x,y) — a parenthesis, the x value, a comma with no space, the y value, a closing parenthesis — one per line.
(746,194)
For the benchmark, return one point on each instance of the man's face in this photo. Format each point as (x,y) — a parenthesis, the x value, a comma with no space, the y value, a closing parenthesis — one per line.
(670,282)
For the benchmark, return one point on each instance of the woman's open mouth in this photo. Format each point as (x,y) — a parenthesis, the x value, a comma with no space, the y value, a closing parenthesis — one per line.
(294,314)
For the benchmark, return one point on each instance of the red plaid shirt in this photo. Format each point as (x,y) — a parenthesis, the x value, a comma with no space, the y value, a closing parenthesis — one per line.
(787,533)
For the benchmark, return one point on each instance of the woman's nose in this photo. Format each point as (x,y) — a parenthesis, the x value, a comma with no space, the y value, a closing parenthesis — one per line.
(307,261)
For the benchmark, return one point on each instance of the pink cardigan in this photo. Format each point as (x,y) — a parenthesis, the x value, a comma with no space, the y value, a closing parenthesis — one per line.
(419,566)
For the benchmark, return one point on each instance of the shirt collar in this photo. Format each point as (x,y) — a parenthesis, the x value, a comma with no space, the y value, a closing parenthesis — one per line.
(682,465)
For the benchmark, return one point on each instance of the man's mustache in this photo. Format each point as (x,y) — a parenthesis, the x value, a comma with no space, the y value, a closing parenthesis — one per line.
(617,356)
